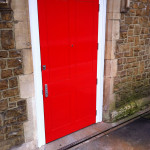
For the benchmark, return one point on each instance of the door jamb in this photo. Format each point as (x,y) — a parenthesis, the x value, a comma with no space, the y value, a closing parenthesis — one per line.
(35,40)
(100,59)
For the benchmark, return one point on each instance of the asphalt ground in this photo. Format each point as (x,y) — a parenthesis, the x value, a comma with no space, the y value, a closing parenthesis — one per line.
(133,136)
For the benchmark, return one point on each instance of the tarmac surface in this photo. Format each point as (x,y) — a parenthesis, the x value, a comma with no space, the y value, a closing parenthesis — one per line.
(133,136)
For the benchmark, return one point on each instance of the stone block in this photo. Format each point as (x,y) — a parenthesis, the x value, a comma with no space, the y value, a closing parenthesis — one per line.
(109,101)
(110,68)
(3,84)
(26,83)
(29,126)
(21,103)
(14,99)
(3,54)
(128,20)
(113,6)
(27,61)
(115,16)
(110,50)
(22,118)
(6,25)
(13,82)
(15,112)
(22,42)
(10,93)
(137,30)
(2,64)
(20,9)
(3,105)
(1,120)
(112,30)
(18,71)
(15,53)
(7,39)
(6,15)
(14,62)
(109,30)
(12,105)
(6,73)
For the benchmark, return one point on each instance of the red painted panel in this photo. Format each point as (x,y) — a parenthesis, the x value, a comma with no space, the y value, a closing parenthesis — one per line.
(68,39)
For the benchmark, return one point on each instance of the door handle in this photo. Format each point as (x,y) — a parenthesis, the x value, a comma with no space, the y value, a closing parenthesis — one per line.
(46,90)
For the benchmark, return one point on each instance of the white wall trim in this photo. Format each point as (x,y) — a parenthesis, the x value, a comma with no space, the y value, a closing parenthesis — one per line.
(100,62)
(34,28)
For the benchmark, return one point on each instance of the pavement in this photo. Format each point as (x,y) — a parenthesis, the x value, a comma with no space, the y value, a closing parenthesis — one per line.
(133,136)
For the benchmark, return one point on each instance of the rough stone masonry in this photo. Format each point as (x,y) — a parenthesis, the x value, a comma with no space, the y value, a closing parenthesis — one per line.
(12,107)
(133,54)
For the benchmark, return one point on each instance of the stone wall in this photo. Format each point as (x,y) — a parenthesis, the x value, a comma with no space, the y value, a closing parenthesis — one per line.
(133,54)
(128,89)
(13,111)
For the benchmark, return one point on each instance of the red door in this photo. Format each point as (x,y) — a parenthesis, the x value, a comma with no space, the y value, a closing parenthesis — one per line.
(68,39)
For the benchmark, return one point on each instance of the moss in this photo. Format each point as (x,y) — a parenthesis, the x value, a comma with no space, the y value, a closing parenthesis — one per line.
(126,96)
(124,111)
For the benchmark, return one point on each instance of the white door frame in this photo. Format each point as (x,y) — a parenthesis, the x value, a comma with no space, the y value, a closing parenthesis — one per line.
(35,40)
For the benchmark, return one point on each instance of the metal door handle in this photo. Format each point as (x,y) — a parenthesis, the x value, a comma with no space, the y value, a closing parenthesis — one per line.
(46,90)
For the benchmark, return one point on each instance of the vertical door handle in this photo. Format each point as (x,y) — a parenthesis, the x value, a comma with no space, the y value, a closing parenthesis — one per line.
(46,90)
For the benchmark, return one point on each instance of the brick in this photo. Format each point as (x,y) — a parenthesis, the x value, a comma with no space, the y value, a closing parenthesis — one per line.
(7,39)
(6,73)
(13,82)
(3,105)
(10,93)
(14,63)
(3,84)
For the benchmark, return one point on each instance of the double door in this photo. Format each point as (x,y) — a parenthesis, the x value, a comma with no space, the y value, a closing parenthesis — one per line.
(68,40)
